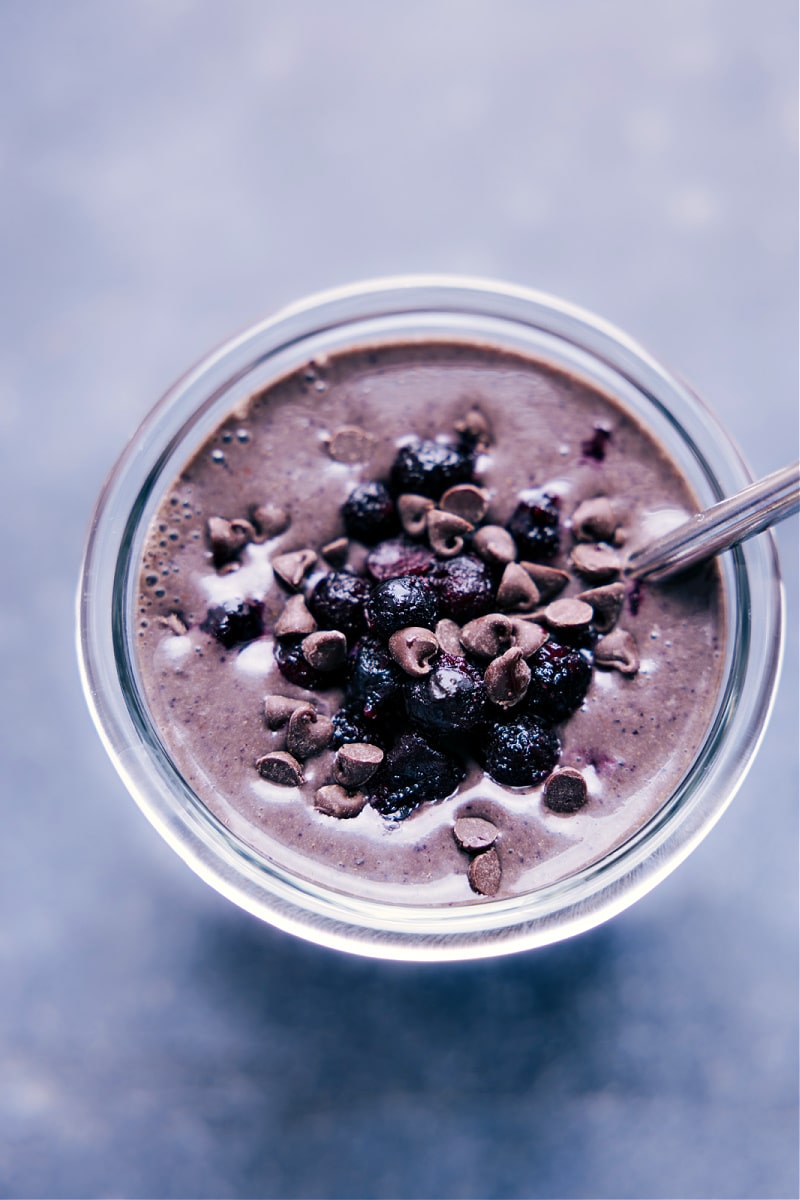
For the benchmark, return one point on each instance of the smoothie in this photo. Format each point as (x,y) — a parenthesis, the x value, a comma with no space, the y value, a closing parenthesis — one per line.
(385,634)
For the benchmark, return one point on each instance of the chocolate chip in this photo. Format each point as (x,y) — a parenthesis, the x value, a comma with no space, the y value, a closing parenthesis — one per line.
(527,635)
(488,636)
(295,619)
(334,801)
(325,650)
(227,538)
(351,444)
(568,614)
(607,605)
(565,791)
(617,651)
(270,520)
(446,533)
(467,501)
(355,763)
(475,833)
(448,635)
(414,649)
(474,427)
(485,873)
(517,591)
(413,512)
(549,580)
(292,568)
(507,678)
(596,561)
(308,732)
(336,552)
(278,710)
(175,624)
(281,768)
(494,545)
(594,520)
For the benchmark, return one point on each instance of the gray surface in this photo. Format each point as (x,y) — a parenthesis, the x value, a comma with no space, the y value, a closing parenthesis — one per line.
(171,171)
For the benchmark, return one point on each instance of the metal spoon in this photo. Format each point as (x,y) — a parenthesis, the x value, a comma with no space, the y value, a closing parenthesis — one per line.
(723,525)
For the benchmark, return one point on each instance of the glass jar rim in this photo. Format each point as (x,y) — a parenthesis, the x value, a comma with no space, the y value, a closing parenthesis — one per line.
(332,918)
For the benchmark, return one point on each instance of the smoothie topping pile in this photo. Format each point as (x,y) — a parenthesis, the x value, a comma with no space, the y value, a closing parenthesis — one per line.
(446,633)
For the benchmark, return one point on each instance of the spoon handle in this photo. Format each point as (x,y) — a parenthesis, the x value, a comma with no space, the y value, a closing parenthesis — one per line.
(725,524)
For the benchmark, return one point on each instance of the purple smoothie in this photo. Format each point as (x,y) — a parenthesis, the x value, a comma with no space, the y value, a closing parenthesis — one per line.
(632,739)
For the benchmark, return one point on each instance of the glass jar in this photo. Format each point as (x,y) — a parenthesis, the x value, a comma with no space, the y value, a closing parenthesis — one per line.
(510,318)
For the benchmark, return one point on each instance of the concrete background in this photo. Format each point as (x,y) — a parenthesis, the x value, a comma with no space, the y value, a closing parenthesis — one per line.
(171,171)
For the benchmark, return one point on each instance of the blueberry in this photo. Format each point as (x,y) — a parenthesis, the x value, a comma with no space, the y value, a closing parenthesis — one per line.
(233,623)
(398,603)
(534,526)
(374,679)
(337,602)
(399,556)
(560,678)
(413,772)
(293,666)
(464,588)
(369,513)
(522,752)
(595,446)
(429,468)
(451,699)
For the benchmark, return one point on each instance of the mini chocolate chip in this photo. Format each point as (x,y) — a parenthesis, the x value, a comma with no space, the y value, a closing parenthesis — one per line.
(617,651)
(295,619)
(594,520)
(549,580)
(448,635)
(467,501)
(334,801)
(488,636)
(336,552)
(475,428)
(485,873)
(596,561)
(565,791)
(280,767)
(414,649)
(494,545)
(227,538)
(270,520)
(507,678)
(446,533)
(278,710)
(308,732)
(413,513)
(325,650)
(475,833)
(607,605)
(527,635)
(568,614)
(517,591)
(355,763)
(351,444)
(292,568)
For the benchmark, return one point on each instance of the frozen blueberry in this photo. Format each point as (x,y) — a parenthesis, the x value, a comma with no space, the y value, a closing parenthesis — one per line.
(399,556)
(398,603)
(374,678)
(369,513)
(233,623)
(294,667)
(428,468)
(413,772)
(464,588)
(522,752)
(534,526)
(560,678)
(451,699)
(337,602)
